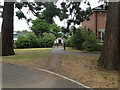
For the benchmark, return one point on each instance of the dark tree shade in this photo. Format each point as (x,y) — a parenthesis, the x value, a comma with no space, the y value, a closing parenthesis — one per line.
(7,29)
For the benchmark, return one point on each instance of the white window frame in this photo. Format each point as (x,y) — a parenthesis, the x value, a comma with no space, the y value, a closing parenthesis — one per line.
(101,33)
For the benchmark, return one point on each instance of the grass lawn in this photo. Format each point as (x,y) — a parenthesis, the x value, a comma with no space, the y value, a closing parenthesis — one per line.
(84,69)
(35,57)
(82,51)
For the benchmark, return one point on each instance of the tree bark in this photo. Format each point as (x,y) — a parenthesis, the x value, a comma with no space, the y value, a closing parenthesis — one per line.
(7,29)
(109,58)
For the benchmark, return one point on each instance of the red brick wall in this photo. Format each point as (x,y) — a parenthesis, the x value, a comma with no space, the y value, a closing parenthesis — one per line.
(90,24)
(101,21)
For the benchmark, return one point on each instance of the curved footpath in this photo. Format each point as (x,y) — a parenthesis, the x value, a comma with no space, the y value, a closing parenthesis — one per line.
(21,77)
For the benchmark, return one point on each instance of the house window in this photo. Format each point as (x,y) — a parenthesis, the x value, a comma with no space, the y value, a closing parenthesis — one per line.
(102,36)
(101,33)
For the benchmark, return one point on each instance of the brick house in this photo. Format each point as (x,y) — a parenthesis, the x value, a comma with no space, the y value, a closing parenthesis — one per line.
(96,21)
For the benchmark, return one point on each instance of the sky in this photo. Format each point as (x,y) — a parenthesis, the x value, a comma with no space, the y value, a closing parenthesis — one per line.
(22,25)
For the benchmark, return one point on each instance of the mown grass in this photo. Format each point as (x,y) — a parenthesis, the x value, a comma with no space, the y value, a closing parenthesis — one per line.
(33,57)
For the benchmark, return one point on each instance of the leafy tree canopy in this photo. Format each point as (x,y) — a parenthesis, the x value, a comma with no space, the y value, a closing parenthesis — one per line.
(37,8)
(74,11)
(41,25)
(49,10)
(55,30)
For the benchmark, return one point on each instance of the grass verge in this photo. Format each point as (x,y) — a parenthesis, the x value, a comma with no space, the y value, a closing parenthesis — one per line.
(34,57)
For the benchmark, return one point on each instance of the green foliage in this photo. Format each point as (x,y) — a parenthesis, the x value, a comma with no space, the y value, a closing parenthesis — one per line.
(99,46)
(58,35)
(35,8)
(32,41)
(47,40)
(84,40)
(75,12)
(68,42)
(64,11)
(20,15)
(19,5)
(90,43)
(26,41)
(50,11)
(78,38)
(40,26)
(55,29)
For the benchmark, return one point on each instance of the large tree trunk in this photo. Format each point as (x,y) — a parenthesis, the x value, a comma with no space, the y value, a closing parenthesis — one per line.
(109,58)
(7,29)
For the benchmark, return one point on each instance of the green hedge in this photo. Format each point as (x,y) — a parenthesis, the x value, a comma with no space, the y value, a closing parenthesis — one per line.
(32,41)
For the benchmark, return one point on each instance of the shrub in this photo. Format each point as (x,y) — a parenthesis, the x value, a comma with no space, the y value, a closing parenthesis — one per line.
(99,46)
(48,40)
(84,40)
(90,43)
(32,41)
(22,42)
(78,38)
(69,42)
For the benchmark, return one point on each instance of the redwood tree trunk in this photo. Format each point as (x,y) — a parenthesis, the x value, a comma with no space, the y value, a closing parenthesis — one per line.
(109,58)
(7,29)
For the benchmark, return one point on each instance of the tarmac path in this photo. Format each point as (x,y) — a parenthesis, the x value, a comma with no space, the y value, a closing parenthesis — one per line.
(21,77)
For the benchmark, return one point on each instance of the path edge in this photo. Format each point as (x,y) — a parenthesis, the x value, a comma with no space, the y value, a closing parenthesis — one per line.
(56,74)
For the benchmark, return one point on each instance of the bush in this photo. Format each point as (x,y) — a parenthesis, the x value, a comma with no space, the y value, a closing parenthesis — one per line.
(90,43)
(68,42)
(84,40)
(32,41)
(78,38)
(47,40)
(99,46)
(22,42)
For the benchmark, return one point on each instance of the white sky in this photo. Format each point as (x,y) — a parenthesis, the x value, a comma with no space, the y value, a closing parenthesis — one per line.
(22,25)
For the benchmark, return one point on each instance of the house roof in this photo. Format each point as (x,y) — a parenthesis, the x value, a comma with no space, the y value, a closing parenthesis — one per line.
(99,8)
